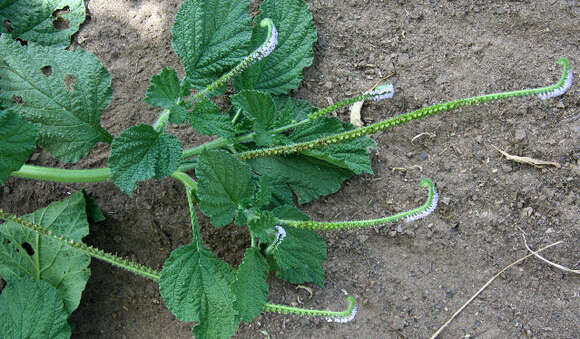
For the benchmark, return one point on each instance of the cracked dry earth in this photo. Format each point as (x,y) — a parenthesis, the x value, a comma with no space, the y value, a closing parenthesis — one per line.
(407,278)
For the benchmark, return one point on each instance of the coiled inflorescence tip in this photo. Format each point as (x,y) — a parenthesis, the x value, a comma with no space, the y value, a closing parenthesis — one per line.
(428,210)
(268,47)
(347,318)
(560,90)
(280,235)
(382,92)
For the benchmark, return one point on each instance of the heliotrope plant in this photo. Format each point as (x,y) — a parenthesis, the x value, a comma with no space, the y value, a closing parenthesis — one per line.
(269,149)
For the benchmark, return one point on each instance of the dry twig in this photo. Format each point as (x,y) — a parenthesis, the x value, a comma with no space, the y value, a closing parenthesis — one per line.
(527,160)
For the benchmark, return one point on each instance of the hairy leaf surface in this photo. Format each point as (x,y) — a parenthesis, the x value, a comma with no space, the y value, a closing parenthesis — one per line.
(281,71)
(26,254)
(207,119)
(31,308)
(195,286)
(224,184)
(17,141)
(47,22)
(299,257)
(141,153)
(250,287)
(211,37)
(259,108)
(64,92)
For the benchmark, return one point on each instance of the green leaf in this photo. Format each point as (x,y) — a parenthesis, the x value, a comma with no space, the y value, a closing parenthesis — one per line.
(308,177)
(250,287)
(262,226)
(281,71)
(299,257)
(211,37)
(259,108)
(64,92)
(167,91)
(224,184)
(290,212)
(17,141)
(31,308)
(195,286)
(141,153)
(353,155)
(94,213)
(207,119)
(47,22)
(25,253)
(264,193)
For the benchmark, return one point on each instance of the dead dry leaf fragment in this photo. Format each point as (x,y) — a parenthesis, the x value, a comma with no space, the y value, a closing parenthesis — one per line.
(527,160)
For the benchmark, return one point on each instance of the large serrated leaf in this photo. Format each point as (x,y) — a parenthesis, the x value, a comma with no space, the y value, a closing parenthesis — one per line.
(195,286)
(26,254)
(250,287)
(211,37)
(46,22)
(281,71)
(17,141)
(224,184)
(64,92)
(299,257)
(141,153)
(31,308)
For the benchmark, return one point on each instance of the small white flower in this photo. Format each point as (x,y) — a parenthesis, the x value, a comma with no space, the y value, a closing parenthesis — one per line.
(382,92)
(280,235)
(268,48)
(428,211)
(346,319)
(561,90)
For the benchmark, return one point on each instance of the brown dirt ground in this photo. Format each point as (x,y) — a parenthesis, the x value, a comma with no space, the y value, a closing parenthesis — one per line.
(407,281)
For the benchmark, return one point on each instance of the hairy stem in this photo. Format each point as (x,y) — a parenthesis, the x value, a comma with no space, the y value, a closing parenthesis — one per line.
(417,213)
(112,259)
(63,175)
(564,83)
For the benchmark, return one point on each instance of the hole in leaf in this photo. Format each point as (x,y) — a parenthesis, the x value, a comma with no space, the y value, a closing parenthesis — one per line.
(69,81)
(18,99)
(61,23)
(2,284)
(8,26)
(29,250)
(47,71)
(22,42)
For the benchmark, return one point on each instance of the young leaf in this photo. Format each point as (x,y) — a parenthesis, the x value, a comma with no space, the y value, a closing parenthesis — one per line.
(64,92)
(211,37)
(224,184)
(259,108)
(195,286)
(250,287)
(166,91)
(17,141)
(25,253)
(281,71)
(207,119)
(48,22)
(31,308)
(299,257)
(141,153)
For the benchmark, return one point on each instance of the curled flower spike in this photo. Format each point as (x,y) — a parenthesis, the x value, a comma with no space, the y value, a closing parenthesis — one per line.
(346,319)
(427,211)
(560,90)
(382,92)
(267,48)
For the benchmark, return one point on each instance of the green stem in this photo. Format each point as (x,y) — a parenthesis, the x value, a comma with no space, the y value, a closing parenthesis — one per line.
(197,240)
(417,213)
(185,180)
(405,118)
(112,259)
(63,175)
(161,122)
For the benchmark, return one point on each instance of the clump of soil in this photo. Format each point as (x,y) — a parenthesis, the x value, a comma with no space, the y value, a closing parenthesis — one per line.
(407,278)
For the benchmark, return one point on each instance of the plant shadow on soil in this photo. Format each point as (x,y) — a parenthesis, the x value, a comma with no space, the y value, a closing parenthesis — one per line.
(407,278)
